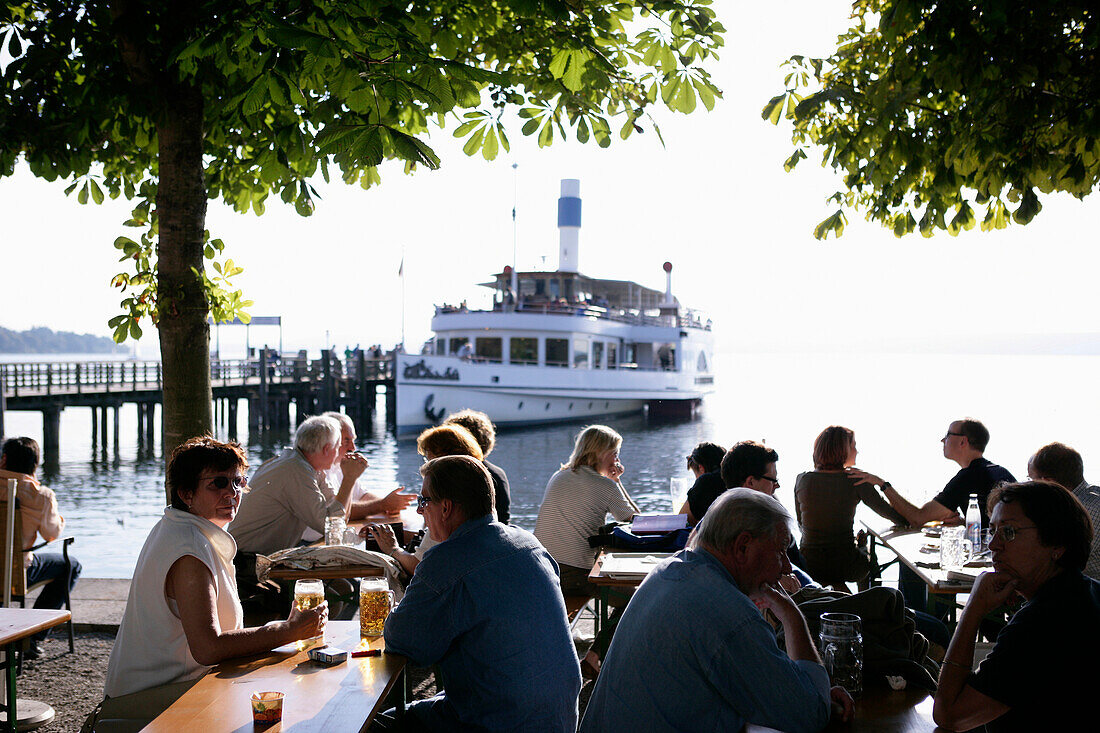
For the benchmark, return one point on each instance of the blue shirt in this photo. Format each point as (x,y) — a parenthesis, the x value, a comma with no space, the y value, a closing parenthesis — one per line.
(692,652)
(486,606)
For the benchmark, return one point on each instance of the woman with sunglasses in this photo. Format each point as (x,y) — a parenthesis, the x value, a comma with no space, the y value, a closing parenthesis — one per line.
(183,615)
(1041,672)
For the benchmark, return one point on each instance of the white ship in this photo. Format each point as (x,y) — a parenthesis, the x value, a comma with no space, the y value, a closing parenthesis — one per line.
(559,346)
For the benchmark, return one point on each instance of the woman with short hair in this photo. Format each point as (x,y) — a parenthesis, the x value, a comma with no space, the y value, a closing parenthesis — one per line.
(183,615)
(825,501)
(1040,674)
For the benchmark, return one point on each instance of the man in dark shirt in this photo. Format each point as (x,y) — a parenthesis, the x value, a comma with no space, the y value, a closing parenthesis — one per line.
(964,444)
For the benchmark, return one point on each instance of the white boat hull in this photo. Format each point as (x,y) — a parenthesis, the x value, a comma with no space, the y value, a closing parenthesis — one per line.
(431,387)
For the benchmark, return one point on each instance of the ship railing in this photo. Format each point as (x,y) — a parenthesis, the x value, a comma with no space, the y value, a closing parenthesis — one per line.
(687,319)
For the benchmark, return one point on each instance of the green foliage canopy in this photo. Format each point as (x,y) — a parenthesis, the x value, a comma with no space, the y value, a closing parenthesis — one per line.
(292,88)
(943,113)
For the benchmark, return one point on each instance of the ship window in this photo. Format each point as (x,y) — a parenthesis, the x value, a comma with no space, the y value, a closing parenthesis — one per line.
(555,289)
(666,357)
(569,293)
(701,362)
(490,349)
(441,347)
(557,352)
(523,351)
(597,355)
(580,353)
(612,355)
(457,344)
(540,287)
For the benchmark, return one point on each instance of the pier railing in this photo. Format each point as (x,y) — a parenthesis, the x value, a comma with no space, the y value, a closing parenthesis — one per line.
(37,379)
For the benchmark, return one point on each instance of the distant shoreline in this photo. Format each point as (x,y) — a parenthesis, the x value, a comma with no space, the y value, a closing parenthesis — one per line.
(41,340)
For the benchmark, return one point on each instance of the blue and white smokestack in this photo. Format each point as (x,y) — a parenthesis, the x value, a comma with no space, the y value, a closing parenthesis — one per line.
(569,225)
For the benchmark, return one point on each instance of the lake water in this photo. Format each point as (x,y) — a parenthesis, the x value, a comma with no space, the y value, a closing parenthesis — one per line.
(898,404)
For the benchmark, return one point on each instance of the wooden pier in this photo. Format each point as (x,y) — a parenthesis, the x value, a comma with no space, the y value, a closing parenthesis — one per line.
(269,383)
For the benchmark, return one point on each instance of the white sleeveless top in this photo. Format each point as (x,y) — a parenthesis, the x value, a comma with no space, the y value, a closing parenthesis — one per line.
(151,648)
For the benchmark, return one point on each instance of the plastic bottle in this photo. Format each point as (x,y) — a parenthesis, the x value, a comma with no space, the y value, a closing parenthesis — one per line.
(974,523)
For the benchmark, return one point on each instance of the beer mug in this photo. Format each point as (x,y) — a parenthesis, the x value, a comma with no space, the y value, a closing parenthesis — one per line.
(955,550)
(678,488)
(334,531)
(309,593)
(376,600)
(842,650)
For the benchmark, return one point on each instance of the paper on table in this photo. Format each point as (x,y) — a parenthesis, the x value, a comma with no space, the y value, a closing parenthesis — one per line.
(658,523)
(629,565)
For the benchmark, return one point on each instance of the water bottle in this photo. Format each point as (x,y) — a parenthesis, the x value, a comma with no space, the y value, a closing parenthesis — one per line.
(974,523)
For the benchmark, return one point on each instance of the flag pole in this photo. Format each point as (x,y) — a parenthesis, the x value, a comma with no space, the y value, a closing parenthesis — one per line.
(401,274)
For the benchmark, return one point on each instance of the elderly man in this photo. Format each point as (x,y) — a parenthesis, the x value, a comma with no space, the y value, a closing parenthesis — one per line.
(289,492)
(484,605)
(1063,465)
(347,473)
(19,460)
(693,651)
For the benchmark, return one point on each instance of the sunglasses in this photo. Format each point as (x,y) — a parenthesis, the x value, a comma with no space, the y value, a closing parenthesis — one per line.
(422,501)
(221,483)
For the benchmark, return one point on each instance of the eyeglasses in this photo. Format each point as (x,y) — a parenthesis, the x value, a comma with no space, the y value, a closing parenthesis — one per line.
(422,501)
(773,479)
(690,461)
(221,483)
(949,434)
(1008,533)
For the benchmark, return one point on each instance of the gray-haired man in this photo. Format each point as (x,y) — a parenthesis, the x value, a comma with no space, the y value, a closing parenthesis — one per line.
(693,651)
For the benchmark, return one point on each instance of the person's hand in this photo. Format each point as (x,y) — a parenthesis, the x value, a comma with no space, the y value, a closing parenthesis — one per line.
(307,624)
(991,590)
(395,501)
(773,597)
(353,464)
(616,471)
(954,520)
(789,583)
(865,478)
(383,535)
(843,706)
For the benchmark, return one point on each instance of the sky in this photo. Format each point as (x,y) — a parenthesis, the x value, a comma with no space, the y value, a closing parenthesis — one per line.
(714,200)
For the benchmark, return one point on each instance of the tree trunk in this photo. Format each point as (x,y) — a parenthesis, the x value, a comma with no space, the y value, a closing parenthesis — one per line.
(181,301)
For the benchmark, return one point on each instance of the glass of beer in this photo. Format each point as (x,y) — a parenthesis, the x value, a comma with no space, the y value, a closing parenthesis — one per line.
(375,603)
(309,593)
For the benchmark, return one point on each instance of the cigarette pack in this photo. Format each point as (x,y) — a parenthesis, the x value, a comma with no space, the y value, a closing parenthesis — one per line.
(328,655)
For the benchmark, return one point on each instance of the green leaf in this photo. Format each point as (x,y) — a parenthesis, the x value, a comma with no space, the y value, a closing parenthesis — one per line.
(490,149)
(834,224)
(82,197)
(773,110)
(474,143)
(135,330)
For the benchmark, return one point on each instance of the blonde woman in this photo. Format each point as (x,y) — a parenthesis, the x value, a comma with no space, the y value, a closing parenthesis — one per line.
(578,499)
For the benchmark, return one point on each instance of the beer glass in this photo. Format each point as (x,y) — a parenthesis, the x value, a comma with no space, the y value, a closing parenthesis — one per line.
(334,531)
(678,488)
(842,650)
(376,600)
(309,593)
(955,550)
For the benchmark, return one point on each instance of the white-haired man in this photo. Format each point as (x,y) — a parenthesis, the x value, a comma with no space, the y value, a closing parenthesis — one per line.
(290,492)
(693,651)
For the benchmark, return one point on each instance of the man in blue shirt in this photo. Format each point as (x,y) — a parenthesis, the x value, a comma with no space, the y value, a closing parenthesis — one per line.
(485,605)
(693,651)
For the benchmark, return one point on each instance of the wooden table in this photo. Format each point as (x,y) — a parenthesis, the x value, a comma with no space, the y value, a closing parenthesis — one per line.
(618,573)
(345,697)
(881,710)
(16,624)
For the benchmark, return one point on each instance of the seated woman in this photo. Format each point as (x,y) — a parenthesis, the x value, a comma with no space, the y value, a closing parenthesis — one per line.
(1037,675)
(183,615)
(444,440)
(825,506)
(577,501)
(706,463)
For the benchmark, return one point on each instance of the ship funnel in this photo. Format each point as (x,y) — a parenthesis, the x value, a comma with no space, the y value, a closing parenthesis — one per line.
(670,306)
(569,225)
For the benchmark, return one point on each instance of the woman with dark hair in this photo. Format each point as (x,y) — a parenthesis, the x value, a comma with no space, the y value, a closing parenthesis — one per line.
(183,615)
(1040,674)
(825,506)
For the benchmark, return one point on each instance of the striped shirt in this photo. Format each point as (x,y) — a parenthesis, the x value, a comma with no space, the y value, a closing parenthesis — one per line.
(1090,497)
(574,508)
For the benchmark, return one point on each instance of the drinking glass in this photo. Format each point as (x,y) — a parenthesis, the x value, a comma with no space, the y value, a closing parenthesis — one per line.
(955,550)
(376,600)
(309,593)
(678,488)
(334,531)
(842,650)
